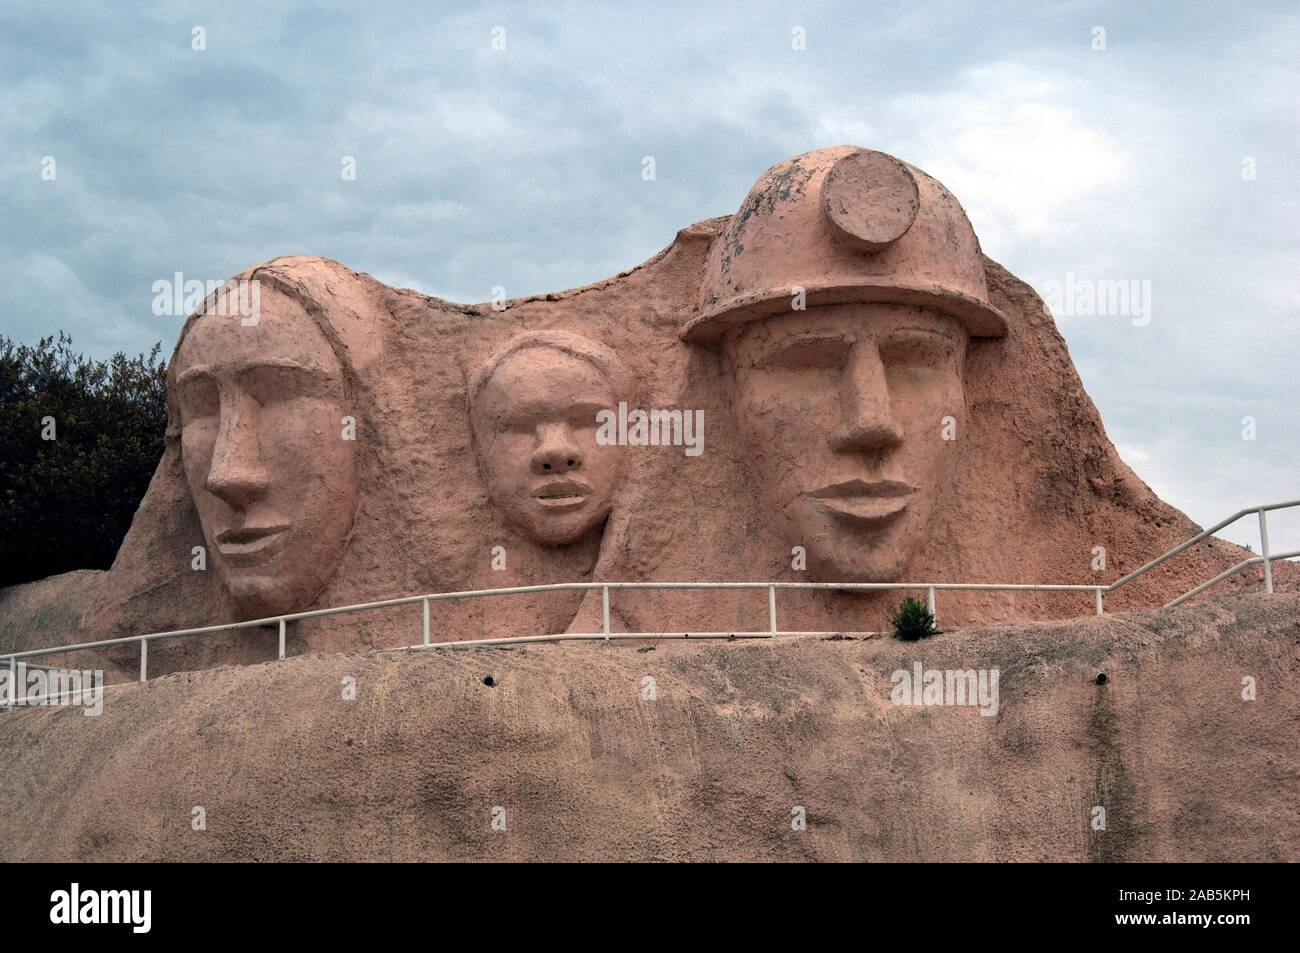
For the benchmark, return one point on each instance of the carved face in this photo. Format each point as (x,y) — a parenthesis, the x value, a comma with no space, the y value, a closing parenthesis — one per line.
(272,478)
(842,409)
(535,425)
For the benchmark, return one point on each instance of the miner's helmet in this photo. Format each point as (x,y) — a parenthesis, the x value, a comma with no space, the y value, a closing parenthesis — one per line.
(845,225)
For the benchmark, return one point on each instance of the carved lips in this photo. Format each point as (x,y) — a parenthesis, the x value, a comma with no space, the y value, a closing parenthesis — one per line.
(563,494)
(249,545)
(858,501)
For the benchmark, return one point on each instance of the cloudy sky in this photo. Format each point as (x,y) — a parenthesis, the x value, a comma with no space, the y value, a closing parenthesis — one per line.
(1162,148)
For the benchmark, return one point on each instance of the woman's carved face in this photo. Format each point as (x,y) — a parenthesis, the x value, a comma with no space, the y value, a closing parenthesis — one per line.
(263,444)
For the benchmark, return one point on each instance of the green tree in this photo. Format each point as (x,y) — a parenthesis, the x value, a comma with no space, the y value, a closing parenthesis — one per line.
(913,620)
(66,503)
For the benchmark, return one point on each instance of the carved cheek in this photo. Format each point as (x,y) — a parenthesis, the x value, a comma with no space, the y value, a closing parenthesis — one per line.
(507,459)
(197,442)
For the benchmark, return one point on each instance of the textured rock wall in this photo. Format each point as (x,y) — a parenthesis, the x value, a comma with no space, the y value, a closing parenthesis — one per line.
(738,735)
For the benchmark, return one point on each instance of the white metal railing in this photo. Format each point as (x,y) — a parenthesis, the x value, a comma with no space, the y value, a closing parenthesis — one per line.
(1264,556)
(930,588)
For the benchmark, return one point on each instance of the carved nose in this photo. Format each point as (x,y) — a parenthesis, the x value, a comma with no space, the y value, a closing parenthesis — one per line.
(557,451)
(866,416)
(236,474)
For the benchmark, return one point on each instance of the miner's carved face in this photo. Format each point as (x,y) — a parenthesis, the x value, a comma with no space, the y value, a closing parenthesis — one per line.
(842,412)
(262,439)
(534,423)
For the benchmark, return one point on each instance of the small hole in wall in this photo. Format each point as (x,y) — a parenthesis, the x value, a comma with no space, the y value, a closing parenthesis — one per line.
(489,681)
(546,466)
(570,463)
(1101,678)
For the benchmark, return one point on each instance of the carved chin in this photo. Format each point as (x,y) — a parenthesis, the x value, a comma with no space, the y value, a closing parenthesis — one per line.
(838,553)
(863,566)
(560,529)
(266,594)
(560,532)
(259,596)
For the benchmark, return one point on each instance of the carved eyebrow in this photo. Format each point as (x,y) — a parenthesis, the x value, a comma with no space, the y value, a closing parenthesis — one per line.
(770,348)
(287,364)
(206,370)
(193,373)
(544,409)
(922,332)
(814,335)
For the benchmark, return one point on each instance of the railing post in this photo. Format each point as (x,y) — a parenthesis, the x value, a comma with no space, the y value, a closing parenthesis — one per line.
(426,621)
(771,608)
(1263,542)
(604,607)
(281,653)
(12,701)
(1099,600)
(144,659)
(930,600)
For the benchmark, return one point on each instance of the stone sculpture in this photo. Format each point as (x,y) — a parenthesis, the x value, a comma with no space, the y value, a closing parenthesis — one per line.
(533,406)
(883,403)
(844,292)
(262,412)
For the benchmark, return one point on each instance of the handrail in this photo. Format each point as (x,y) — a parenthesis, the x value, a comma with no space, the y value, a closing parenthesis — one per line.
(513,590)
(1230,572)
(1210,532)
(930,587)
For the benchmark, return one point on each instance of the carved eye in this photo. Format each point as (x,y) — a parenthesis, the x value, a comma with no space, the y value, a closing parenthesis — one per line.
(918,349)
(198,398)
(272,383)
(518,424)
(583,416)
(829,351)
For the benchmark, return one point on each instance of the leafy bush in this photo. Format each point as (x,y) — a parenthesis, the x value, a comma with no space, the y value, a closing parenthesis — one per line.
(913,620)
(66,503)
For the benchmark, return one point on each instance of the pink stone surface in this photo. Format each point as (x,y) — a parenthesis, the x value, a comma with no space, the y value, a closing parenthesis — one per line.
(475,466)
(823,428)
(738,734)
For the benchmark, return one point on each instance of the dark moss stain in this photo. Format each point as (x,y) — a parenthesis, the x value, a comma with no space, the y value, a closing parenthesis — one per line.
(94,840)
(1113,789)
(790,181)
(388,822)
